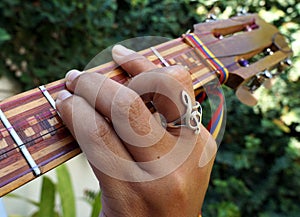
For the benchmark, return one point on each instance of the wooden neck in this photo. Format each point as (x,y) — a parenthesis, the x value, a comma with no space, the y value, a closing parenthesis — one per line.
(44,135)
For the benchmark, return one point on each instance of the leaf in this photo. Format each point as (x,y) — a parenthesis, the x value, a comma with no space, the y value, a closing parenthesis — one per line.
(36,214)
(65,190)
(47,199)
(97,205)
(4,36)
(16,196)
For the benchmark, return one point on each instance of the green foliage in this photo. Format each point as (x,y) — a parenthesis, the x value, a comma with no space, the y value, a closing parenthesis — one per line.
(94,199)
(257,169)
(48,204)
(4,36)
(47,200)
(66,192)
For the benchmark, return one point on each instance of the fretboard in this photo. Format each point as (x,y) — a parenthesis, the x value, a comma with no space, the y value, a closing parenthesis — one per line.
(43,134)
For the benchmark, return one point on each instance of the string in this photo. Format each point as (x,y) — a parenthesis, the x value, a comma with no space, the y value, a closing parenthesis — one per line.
(43,163)
(30,141)
(43,116)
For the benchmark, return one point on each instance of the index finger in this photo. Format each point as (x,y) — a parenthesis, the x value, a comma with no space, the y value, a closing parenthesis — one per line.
(131,61)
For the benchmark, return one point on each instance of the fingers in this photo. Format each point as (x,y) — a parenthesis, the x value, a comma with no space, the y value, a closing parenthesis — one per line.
(107,96)
(93,133)
(132,62)
(97,139)
(131,119)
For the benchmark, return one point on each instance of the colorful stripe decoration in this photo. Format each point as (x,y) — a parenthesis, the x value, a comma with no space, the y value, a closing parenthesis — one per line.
(216,122)
(211,59)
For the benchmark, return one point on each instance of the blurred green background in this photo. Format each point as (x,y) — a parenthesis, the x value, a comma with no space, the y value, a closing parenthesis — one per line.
(257,170)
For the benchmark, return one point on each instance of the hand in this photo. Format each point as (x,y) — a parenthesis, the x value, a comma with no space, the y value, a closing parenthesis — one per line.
(144,167)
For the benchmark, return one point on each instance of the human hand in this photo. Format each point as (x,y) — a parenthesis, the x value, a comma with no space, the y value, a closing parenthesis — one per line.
(144,167)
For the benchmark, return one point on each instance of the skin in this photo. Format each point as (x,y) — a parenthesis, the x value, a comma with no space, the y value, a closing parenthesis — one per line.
(95,109)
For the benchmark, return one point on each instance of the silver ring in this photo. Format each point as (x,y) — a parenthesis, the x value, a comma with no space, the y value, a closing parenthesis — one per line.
(193,116)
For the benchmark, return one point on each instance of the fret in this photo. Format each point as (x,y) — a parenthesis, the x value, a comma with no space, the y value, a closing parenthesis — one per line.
(20,144)
(48,96)
(164,62)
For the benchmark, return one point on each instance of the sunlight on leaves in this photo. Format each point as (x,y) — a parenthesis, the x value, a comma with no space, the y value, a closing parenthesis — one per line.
(272,15)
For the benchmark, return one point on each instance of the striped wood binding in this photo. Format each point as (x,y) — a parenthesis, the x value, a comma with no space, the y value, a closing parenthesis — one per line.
(45,136)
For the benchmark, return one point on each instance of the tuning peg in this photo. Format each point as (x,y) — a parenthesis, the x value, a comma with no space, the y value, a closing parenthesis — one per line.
(246,96)
(242,12)
(243,62)
(287,62)
(259,79)
(245,92)
(255,83)
(268,81)
(284,64)
(268,51)
(211,17)
(266,74)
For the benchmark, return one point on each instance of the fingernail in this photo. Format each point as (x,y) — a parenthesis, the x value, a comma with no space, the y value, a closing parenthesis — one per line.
(62,95)
(72,75)
(120,51)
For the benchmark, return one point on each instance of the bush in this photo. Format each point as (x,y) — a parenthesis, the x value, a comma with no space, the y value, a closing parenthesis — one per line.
(257,169)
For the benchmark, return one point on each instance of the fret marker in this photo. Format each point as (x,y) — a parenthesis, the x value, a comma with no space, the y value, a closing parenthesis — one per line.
(48,96)
(20,144)
(159,56)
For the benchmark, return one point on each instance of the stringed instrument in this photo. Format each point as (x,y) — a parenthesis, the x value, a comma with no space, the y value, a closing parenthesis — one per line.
(240,52)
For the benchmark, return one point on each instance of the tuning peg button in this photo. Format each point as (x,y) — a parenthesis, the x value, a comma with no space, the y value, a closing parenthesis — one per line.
(242,12)
(267,74)
(284,64)
(243,62)
(269,51)
(211,17)
(288,62)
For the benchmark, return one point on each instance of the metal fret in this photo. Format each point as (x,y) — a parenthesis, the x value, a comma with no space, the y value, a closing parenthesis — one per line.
(20,144)
(159,56)
(48,96)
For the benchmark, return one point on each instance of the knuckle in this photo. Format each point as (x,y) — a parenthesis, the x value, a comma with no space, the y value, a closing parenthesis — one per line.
(125,100)
(179,186)
(180,74)
(101,132)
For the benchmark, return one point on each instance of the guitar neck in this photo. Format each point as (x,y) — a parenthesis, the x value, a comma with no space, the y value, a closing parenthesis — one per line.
(44,137)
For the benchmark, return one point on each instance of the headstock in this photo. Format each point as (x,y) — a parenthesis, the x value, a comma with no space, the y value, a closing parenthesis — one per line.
(249,48)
